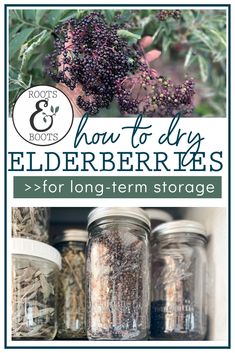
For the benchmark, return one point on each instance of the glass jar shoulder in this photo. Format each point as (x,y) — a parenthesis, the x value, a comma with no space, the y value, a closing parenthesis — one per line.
(119,228)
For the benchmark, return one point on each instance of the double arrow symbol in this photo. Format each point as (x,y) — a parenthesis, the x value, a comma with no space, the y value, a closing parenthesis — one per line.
(36,187)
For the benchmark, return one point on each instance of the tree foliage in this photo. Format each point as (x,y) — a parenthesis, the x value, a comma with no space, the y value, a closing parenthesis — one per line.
(196,43)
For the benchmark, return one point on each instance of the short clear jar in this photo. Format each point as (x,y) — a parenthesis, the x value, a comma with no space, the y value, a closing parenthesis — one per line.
(71,292)
(31,223)
(35,268)
(118,287)
(178,281)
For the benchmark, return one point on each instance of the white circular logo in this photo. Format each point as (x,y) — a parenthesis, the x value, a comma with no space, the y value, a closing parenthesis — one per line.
(43,115)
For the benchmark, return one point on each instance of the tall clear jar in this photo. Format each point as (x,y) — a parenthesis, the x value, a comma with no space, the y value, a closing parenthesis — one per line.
(31,223)
(179,280)
(35,268)
(118,287)
(71,292)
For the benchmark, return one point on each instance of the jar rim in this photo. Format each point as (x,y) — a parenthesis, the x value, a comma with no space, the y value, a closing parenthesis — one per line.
(29,247)
(71,234)
(180,226)
(158,214)
(134,213)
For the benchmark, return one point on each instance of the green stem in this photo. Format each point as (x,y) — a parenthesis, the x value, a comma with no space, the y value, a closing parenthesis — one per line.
(31,24)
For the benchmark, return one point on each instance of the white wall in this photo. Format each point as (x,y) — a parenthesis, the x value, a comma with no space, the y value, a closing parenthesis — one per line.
(214,219)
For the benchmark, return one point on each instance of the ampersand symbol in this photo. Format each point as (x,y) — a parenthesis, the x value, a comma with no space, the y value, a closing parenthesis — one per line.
(38,110)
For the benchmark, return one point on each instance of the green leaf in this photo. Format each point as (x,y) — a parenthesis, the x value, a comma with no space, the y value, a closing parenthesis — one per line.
(14,85)
(81,13)
(44,119)
(157,33)
(188,57)
(18,40)
(29,15)
(52,109)
(53,17)
(109,15)
(189,16)
(40,14)
(124,17)
(28,49)
(15,29)
(149,25)
(203,65)
(166,43)
(219,36)
(57,109)
(129,36)
(13,16)
(66,18)
(203,38)
(62,16)
(19,14)
(219,57)
(137,30)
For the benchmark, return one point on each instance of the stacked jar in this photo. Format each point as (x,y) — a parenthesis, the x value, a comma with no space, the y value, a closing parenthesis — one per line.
(35,268)
(71,293)
(30,223)
(118,292)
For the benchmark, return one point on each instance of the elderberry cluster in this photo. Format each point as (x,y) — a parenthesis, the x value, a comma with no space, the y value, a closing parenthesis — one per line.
(90,54)
(153,95)
(163,15)
(92,60)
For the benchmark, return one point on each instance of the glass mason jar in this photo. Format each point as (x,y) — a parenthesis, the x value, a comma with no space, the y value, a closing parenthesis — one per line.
(31,223)
(35,268)
(71,293)
(118,287)
(179,270)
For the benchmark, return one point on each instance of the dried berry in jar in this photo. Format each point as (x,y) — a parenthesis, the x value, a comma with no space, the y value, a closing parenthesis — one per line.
(118,274)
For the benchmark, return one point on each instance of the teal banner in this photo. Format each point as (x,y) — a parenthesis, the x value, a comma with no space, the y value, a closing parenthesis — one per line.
(117,187)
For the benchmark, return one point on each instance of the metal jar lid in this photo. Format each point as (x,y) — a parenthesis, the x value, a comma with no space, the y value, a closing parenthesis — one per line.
(159,215)
(184,226)
(102,213)
(71,235)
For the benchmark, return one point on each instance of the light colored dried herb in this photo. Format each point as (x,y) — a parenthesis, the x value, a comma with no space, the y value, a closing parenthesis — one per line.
(33,303)
(71,296)
(30,222)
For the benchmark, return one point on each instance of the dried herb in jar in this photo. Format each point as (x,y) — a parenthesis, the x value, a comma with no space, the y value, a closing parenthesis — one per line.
(179,268)
(30,222)
(33,303)
(71,297)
